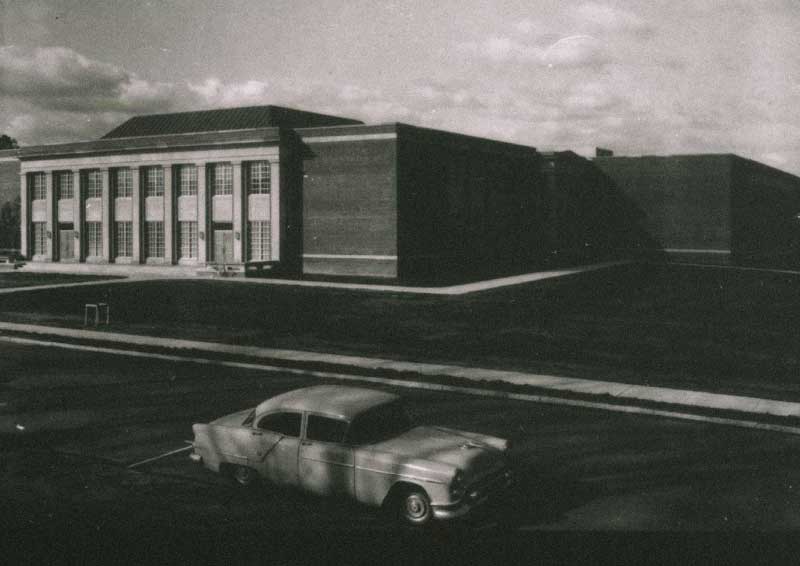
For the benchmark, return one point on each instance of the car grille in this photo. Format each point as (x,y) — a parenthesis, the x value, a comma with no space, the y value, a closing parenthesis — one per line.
(491,483)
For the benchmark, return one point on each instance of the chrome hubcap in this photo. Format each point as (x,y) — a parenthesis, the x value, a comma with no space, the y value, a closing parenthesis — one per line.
(415,507)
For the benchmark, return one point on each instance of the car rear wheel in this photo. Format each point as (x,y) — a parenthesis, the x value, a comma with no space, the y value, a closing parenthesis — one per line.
(415,508)
(244,476)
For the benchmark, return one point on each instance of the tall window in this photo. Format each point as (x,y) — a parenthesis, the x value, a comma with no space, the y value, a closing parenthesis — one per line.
(65,187)
(259,241)
(124,239)
(187,180)
(153,182)
(187,233)
(94,239)
(39,238)
(222,179)
(123,183)
(155,239)
(38,186)
(94,184)
(258,178)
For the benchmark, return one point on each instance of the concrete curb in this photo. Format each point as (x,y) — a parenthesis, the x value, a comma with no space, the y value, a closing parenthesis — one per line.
(452,290)
(685,398)
(427,386)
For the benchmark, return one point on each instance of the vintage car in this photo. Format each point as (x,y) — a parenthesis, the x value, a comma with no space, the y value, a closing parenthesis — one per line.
(357,443)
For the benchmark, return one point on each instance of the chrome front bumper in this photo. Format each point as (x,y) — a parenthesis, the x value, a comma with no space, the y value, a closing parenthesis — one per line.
(476,496)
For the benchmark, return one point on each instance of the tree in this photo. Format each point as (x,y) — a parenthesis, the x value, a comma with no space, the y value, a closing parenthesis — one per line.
(7,142)
(9,224)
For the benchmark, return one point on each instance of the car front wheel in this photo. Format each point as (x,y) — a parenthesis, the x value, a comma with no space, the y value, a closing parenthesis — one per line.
(415,507)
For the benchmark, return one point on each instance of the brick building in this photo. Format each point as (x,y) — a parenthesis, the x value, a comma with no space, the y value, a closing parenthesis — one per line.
(304,192)
(721,209)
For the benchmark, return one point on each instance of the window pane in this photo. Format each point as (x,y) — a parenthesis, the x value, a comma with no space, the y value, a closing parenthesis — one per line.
(259,238)
(124,239)
(94,239)
(94,184)
(39,238)
(39,186)
(188,239)
(155,239)
(283,423)
(123,183)
(153,181)
(65,190)
(222,179)
(187,180)
(259,177)
(325,429)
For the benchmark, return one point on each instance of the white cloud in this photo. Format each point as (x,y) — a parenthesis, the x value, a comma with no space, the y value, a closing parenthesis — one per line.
(605,18)
(213,92)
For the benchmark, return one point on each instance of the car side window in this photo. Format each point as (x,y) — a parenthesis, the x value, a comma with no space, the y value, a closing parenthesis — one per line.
(325,429)
(287,424)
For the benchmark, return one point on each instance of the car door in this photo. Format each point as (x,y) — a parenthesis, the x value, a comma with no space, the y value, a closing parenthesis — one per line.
(276,442)
(326,463)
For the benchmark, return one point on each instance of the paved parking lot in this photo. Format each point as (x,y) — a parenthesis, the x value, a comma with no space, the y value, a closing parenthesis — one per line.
(71,423)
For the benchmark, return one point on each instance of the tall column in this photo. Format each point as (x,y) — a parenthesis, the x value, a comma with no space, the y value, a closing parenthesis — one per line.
(237,212)
(108,221)
(202,214)
(136,216)
(77,216)
(24,216)
(51,211)
(169,216)
(275,210)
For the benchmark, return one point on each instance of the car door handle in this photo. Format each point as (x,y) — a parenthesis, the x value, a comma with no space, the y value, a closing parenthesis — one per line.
(257,433)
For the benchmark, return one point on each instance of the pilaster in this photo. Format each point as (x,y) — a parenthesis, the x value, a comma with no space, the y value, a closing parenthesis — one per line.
(169,216)
(108,221)
(136,216)
(202,215)
(238,210)
(78,215)
(275,210)
(51,210)
(24,216)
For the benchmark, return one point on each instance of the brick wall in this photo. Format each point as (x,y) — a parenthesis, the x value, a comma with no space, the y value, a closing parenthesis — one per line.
(349,207)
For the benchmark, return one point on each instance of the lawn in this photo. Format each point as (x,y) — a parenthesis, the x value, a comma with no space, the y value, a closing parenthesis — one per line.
(712,329)
(10,279)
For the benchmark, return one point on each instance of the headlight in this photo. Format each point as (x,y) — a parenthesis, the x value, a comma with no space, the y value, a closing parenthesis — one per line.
(457,487)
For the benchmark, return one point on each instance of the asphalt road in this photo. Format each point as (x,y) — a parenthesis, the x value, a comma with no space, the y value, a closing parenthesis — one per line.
(71,423)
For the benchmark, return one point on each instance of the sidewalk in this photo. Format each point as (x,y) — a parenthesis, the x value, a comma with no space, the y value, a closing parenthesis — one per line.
(665,395)
(150,272)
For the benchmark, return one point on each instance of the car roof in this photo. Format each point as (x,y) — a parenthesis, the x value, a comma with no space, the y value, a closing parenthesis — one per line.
(335,400)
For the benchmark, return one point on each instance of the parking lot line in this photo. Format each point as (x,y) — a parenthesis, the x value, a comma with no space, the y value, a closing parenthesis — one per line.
(154,458)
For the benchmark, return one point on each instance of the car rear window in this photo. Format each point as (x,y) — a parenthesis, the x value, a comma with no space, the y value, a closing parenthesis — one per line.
(287,424)
(380,423)
(325,429)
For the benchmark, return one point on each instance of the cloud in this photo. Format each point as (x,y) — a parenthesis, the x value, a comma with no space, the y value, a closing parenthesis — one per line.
(568,52)
(58,78)
(213,92)
(602,18)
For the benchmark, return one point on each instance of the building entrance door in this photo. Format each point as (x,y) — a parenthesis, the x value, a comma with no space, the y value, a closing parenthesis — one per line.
(223,246)
(66,244)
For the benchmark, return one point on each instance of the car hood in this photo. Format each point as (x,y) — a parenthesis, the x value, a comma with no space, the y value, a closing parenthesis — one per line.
(471,453)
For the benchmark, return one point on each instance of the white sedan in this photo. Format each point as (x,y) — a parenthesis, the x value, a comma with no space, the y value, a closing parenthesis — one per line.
(358,443)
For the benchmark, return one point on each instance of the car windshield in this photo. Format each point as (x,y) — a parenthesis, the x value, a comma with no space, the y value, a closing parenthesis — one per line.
(380,423)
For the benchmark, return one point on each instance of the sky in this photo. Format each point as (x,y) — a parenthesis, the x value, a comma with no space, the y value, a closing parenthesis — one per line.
(655,77)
